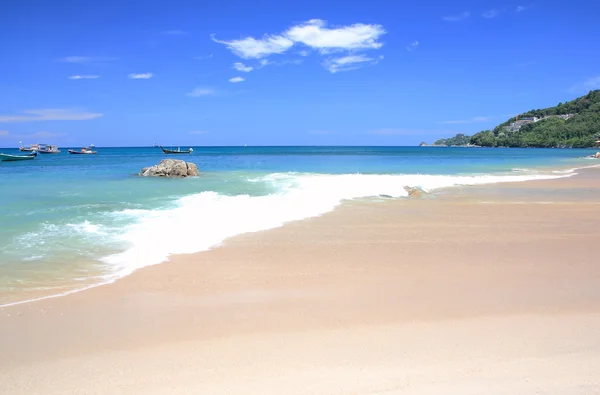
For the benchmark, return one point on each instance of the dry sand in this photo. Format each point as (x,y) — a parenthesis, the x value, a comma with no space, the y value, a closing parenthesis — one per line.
(481,290)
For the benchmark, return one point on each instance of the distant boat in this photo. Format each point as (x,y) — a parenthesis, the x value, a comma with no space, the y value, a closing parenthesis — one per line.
(48,149)
(13,158)
(31,148)
(177,151)
(84,151)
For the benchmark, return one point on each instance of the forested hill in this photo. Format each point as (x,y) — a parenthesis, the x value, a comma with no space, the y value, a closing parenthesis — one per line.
(572,124)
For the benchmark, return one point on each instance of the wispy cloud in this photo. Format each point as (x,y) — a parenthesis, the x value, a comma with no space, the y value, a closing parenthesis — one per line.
(267,62)
(140,76)
(242,67)
(472,120)
(412,46)
(236,79)
(199,91)
(50,115)
(457,17)
(84,77)
(4,133)
(198,132)
(313,34)
(350,62)
(87,59)
(203,57)
(251,48)
(175,32)
(521,8)
(589,84)
(489,14)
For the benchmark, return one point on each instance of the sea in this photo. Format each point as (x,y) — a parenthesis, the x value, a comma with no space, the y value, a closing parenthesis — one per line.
(71,222)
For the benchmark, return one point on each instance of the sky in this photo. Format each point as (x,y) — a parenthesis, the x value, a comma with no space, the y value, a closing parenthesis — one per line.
(206,73)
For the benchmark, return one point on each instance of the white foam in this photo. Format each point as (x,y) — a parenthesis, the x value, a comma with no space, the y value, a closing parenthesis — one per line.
(201,221)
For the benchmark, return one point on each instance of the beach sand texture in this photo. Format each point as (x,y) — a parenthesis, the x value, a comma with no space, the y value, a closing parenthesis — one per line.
(478,290)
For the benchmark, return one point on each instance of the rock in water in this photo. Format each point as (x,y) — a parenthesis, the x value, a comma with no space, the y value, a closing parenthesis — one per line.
(595,156)
(414,191)
(176,168)
(192,169)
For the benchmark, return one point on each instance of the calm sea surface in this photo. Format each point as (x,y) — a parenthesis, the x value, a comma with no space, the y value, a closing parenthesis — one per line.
(74,221)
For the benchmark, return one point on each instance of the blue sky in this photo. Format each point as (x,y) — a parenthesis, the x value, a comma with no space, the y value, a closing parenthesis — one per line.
(128,73)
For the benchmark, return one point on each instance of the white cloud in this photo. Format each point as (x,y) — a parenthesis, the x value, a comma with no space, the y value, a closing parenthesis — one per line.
(236,79)
(457,17)
(412,46)
(197,92)
(3,132)
(304,52)
(242,67)
(350,62)
(521,8)
(84,77)
(141,76)
(198,132)
(86,59)
(49,115)
(251,48)
(175,32)
(315,34)
(590,84)
(489,14)
(264,62)
(472,120)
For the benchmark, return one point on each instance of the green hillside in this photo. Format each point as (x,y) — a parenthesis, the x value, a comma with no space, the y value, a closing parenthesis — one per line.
(574,124)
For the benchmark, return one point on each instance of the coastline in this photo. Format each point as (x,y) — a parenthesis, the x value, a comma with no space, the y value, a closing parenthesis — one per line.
(398,296)
(430,183)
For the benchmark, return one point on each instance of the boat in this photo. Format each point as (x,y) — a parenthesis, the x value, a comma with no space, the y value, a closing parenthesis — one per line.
(83,151)
(177,151)
(13,158)
(31,148)
(48,149)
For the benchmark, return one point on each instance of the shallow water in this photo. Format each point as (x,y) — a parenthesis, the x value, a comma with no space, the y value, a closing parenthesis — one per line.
(70,221)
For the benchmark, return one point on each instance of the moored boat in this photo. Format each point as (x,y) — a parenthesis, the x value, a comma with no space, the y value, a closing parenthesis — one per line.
(177,151)
(83,151)
(48,149)
(13,158)
(31,148)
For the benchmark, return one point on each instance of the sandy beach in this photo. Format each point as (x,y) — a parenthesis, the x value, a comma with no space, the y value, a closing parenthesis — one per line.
(475,290)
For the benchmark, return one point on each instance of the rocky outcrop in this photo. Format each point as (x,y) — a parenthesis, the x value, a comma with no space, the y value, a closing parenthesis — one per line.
(175,168)
(415,191)
(595,156)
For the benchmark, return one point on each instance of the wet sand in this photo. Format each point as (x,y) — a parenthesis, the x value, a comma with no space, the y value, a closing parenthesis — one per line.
(490,289)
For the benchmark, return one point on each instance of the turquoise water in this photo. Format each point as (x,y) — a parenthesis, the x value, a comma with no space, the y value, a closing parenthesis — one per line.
(72,221)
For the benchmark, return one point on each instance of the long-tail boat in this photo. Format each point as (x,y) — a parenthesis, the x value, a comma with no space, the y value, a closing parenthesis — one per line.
(176,151)
(13,158)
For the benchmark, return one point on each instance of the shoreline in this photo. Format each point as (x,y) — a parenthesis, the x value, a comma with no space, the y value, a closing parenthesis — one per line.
(564,171)
(466,292)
